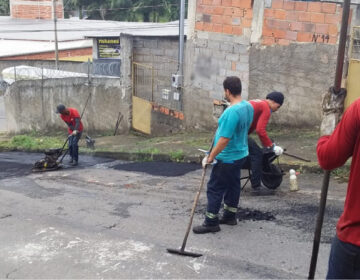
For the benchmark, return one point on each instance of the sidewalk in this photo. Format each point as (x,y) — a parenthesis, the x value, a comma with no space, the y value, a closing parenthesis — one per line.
(184,147)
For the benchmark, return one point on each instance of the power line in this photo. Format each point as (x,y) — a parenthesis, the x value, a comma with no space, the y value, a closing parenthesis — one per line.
(128,8)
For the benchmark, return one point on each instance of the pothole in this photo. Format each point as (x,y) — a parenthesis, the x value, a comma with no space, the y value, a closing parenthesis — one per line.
(246,214)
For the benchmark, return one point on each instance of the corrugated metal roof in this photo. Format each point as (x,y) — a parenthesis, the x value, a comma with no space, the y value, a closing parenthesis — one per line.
(19,47)
(75,29)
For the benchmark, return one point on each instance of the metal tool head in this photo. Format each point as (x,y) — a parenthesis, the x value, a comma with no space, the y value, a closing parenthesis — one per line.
(183,253)
(203,151)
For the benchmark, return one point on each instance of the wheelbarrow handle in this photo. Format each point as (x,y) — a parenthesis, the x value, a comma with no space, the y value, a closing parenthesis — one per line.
(297,157)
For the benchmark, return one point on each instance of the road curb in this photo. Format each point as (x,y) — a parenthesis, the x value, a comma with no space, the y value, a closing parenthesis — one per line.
(138,156)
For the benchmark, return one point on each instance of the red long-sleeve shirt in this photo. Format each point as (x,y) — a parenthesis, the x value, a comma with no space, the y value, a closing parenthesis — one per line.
(70,120)
(333,151)
(262,113)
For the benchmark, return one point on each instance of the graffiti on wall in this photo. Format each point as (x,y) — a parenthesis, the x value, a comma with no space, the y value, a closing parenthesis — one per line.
(320,38)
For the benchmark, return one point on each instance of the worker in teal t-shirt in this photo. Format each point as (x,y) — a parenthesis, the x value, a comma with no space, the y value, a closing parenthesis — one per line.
(230,150)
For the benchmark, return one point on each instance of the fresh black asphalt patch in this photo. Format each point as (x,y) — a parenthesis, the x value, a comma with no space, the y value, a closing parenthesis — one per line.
(18,164)
(246,214)
(13,169)
(166,169)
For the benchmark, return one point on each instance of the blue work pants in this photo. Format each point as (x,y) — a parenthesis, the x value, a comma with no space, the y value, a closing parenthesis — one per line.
(344,260)
(224,184)
(73,146)
(256,159)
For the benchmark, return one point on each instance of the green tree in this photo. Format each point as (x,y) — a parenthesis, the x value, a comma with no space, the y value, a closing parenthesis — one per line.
(125,10)
(4,8)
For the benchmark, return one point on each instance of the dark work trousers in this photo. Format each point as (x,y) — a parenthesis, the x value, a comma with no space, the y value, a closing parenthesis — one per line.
(344,261)
(73,146)
(256,158)
(224,184)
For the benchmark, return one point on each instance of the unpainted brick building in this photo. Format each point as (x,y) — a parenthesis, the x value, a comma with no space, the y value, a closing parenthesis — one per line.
(282,45)
(27,9)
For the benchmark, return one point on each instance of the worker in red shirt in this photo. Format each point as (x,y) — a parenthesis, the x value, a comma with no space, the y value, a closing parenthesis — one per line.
(333,151)
(72,118)
(262,112)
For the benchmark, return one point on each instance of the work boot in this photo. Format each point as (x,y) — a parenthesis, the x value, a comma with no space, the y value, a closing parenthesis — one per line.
(74,163)
(205,228)
(228,218)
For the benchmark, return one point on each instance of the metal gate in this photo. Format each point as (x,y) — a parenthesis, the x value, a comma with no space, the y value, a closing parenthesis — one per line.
(142,96)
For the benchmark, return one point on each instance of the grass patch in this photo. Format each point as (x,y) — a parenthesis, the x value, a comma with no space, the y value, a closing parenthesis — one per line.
(29,142)
(147,154)
(177,155)
(342,174)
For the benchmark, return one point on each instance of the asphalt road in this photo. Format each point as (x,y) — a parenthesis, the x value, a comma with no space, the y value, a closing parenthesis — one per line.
(114,219)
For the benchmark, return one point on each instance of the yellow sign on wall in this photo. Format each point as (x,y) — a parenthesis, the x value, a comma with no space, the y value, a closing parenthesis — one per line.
(353,82)
(141,115)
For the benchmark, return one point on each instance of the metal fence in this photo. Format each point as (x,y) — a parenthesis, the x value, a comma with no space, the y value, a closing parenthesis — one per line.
(153,82)
(355,43)
(29,70)
(42,70)
(143,81)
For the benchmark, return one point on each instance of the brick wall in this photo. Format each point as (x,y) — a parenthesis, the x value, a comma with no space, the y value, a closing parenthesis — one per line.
(283,45)
(224,16)
(27,9)
(297,21)
(51,55)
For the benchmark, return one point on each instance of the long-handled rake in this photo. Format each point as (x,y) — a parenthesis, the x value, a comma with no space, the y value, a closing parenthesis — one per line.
(182,251)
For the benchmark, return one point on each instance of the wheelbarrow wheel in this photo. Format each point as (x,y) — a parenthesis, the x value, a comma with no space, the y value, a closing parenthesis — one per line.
(272,177)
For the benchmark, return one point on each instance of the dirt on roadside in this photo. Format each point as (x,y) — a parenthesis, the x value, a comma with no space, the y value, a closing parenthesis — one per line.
(299,142)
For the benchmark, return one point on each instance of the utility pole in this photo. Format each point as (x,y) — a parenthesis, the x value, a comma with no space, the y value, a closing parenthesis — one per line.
(56,39)
(177,79)
(181,37)
(326,178)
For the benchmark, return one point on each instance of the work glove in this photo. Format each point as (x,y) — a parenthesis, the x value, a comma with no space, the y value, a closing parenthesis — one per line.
(204,162)
(278,150)
(74,133)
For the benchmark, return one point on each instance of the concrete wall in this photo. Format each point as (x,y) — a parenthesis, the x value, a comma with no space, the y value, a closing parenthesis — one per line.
(30,105)
(290,46)
(296,55)
(217,48)
(302,72)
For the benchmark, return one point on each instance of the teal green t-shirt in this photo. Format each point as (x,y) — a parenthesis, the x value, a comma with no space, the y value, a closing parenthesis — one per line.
(234,123)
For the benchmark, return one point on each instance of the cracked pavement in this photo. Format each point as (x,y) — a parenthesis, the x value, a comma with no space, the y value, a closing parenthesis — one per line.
(115,219)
